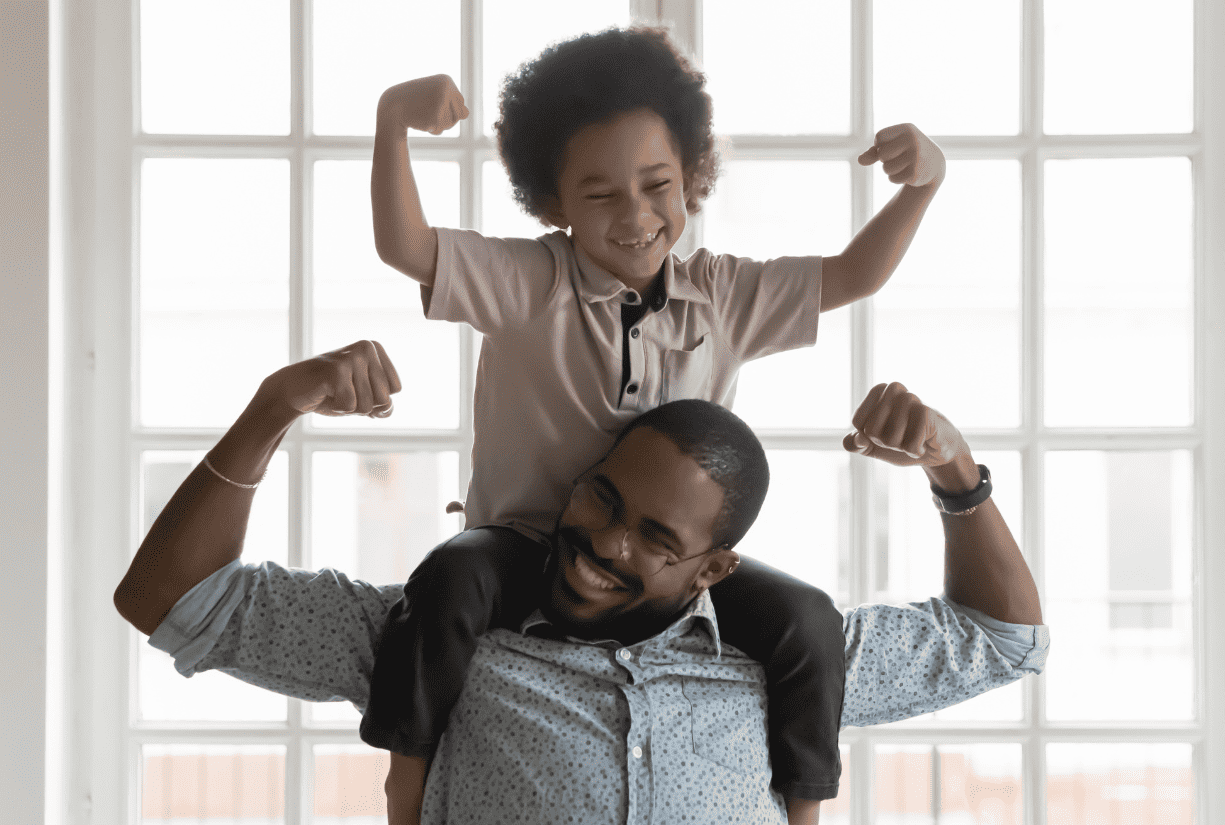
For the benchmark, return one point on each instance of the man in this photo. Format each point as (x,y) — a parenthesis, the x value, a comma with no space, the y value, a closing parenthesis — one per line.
(617,702)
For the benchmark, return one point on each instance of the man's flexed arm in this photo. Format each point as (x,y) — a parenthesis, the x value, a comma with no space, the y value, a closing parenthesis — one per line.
(201,528)
(983,567)
(402,236)
(910,158)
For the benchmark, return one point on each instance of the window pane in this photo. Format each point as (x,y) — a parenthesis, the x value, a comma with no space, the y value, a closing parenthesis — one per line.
(1118,292)
(210,696)
(1118,534)
(816,484)
(214,286)
(1118,66)
(349,785)
(958,290)
(808,387)
(363,46)
(215,68)
(908,557)
(501,217)
(357,296)
(213,783)
(981,784)
(757,57)
(517,32)
(1117,784)
(903,784)
(951,67)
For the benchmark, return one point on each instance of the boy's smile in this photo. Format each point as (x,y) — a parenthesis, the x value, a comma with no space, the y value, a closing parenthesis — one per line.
(621,191)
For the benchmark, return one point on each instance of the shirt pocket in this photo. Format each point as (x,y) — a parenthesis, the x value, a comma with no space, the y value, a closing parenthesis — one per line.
(688,373)
(729,723)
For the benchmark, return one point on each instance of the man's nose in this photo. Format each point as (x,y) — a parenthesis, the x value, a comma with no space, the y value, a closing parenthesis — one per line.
(612,543)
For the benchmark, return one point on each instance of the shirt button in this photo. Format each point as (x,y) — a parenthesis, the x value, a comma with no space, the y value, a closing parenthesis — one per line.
(634,332)
(624,654)
(632,388)
(637,752)
(631,298)
(658,303)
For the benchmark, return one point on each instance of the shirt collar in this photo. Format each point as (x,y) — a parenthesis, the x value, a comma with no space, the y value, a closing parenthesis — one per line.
(597,284)
(699,614)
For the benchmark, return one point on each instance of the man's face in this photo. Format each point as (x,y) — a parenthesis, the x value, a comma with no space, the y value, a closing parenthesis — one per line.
(631,548)
(621,192)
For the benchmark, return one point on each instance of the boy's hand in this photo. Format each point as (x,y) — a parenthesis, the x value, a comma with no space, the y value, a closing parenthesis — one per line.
(429,104)
(892,424)
(355,380)
(907,155)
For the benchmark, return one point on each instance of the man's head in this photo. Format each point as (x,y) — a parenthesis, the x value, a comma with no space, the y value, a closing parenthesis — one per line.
(654,523)
(610,135)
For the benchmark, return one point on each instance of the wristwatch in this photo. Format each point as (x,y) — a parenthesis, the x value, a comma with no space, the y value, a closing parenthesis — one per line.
(963,504)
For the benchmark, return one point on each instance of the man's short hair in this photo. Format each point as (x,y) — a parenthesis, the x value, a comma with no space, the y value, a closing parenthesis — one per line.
(592,78)
(722,445)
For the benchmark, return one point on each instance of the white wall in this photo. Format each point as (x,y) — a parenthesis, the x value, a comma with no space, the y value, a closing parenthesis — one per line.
(25,341)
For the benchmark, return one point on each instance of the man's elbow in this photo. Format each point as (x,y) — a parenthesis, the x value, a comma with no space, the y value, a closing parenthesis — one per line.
(134,606)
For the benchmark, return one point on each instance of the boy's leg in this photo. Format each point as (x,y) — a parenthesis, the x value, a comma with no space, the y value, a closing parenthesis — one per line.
(795,631)
(481,578)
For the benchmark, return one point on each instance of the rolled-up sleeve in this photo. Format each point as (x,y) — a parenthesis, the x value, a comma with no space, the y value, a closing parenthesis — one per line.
(907,660)
(303,633)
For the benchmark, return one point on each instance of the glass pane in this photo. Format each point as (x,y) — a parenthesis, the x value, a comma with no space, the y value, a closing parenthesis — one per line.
(908,559)
(374,517)
(1120,783)
(214,286)
(903,784)
(358,297)
(755,59)
(212,783)
(215,68)
(808,387)
(211,696)
(1118,574)
(816,484)
(1118,66)
(951,67)
(981,784)
(1119,292)
(363,46)
(349,785)
(501,217)
(958,290)
(517,32)
(837,811)
(768,208)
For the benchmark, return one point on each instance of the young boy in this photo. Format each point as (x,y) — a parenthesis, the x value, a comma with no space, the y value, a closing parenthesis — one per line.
(607,136)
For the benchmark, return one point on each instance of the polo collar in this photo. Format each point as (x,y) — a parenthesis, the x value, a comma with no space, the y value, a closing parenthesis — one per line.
(597,284)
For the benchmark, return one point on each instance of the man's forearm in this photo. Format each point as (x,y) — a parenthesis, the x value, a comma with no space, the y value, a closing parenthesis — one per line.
(201,528)
(983,566)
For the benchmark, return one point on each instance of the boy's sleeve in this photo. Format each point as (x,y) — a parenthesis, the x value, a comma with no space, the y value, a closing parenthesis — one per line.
(303,633)
(765,306)
(489,283)
(907,660)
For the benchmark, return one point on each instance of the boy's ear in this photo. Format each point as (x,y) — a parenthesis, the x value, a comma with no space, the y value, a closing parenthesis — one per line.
(554,216)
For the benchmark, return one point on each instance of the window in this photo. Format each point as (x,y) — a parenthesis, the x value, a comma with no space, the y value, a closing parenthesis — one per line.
(1056,274)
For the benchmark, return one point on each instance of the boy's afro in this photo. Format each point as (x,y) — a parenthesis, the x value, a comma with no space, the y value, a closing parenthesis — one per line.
(590,79)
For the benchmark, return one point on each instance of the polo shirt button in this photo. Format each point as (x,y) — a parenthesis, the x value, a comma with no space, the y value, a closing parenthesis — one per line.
(624,654)
(637,752)
(632,298)
(634,332)
(632,388)
(658,303)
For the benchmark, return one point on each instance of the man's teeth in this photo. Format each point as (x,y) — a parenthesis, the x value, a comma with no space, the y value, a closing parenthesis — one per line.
(587,574)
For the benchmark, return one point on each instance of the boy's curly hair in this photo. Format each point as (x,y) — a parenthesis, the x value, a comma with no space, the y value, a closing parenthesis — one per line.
(591,78)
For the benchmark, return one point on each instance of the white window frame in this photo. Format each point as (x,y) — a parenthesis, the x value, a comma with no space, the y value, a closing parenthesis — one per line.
(96,239)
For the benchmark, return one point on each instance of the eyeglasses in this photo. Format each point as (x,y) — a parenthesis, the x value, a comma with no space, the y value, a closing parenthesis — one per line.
(596,512)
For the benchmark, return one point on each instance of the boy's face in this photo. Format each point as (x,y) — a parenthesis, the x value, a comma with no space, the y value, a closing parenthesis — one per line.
(621,192)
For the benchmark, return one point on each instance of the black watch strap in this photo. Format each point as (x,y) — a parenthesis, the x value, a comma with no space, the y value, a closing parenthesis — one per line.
(964,502)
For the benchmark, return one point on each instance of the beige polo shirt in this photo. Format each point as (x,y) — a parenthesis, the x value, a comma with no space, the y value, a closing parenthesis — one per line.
(549,398)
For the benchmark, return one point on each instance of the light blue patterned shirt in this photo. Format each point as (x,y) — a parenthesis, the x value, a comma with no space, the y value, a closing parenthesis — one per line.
(554,729)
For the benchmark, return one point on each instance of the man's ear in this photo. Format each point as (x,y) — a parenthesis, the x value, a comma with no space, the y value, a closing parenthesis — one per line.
(717,566)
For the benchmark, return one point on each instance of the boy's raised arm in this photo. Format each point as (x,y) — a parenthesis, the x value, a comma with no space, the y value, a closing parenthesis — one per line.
(910,158)
(402,237)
